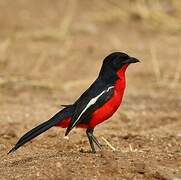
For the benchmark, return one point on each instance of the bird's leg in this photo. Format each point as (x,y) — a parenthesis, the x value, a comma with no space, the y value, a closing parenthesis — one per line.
(92,139)
(96,141)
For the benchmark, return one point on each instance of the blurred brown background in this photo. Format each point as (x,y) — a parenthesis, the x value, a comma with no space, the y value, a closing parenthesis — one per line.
(51,50)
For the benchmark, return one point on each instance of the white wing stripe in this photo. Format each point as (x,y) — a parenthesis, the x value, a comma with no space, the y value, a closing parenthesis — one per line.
(91,102)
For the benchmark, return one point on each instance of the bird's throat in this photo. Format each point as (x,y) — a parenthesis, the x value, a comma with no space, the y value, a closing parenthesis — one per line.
(121,72)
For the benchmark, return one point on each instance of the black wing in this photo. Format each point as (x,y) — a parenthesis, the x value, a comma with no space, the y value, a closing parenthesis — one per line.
(92,99)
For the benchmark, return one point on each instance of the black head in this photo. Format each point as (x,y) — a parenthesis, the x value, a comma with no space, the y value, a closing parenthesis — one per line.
(118,59)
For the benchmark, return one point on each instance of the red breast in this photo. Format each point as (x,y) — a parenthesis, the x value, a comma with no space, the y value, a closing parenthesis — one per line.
(109,108)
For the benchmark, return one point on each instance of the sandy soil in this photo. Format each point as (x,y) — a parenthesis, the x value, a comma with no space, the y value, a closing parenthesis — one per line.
(44,65)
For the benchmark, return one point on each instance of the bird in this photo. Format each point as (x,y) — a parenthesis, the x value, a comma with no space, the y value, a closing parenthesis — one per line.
(97,104)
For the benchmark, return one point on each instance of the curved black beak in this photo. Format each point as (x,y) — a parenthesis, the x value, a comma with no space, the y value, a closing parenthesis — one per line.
(132,60)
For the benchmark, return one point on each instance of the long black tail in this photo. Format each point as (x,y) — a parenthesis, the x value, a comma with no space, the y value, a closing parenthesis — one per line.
(64,113)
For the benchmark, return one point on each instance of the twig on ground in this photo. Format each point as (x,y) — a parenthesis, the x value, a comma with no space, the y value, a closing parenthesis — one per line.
(108,143)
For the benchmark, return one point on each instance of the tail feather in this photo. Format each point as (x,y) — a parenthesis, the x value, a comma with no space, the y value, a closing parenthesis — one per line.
(66,112)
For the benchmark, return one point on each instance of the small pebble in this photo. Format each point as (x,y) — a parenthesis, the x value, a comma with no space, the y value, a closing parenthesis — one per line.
(58,164)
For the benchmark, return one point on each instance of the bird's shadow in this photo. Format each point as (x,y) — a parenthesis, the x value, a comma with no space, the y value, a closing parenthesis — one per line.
(29,160)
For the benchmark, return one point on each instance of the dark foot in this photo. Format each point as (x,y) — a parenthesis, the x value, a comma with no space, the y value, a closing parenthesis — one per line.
(87,151)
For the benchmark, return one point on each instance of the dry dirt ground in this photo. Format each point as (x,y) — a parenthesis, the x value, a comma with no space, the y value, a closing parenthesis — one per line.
(50,51)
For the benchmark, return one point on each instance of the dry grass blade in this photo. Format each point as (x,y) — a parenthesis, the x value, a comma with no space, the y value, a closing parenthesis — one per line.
(40,61)
(155,63)
(4,46)
(130,147)
(177,71)
(21,82)
(109,144)
(67,21)
(132,150)
(42,84)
